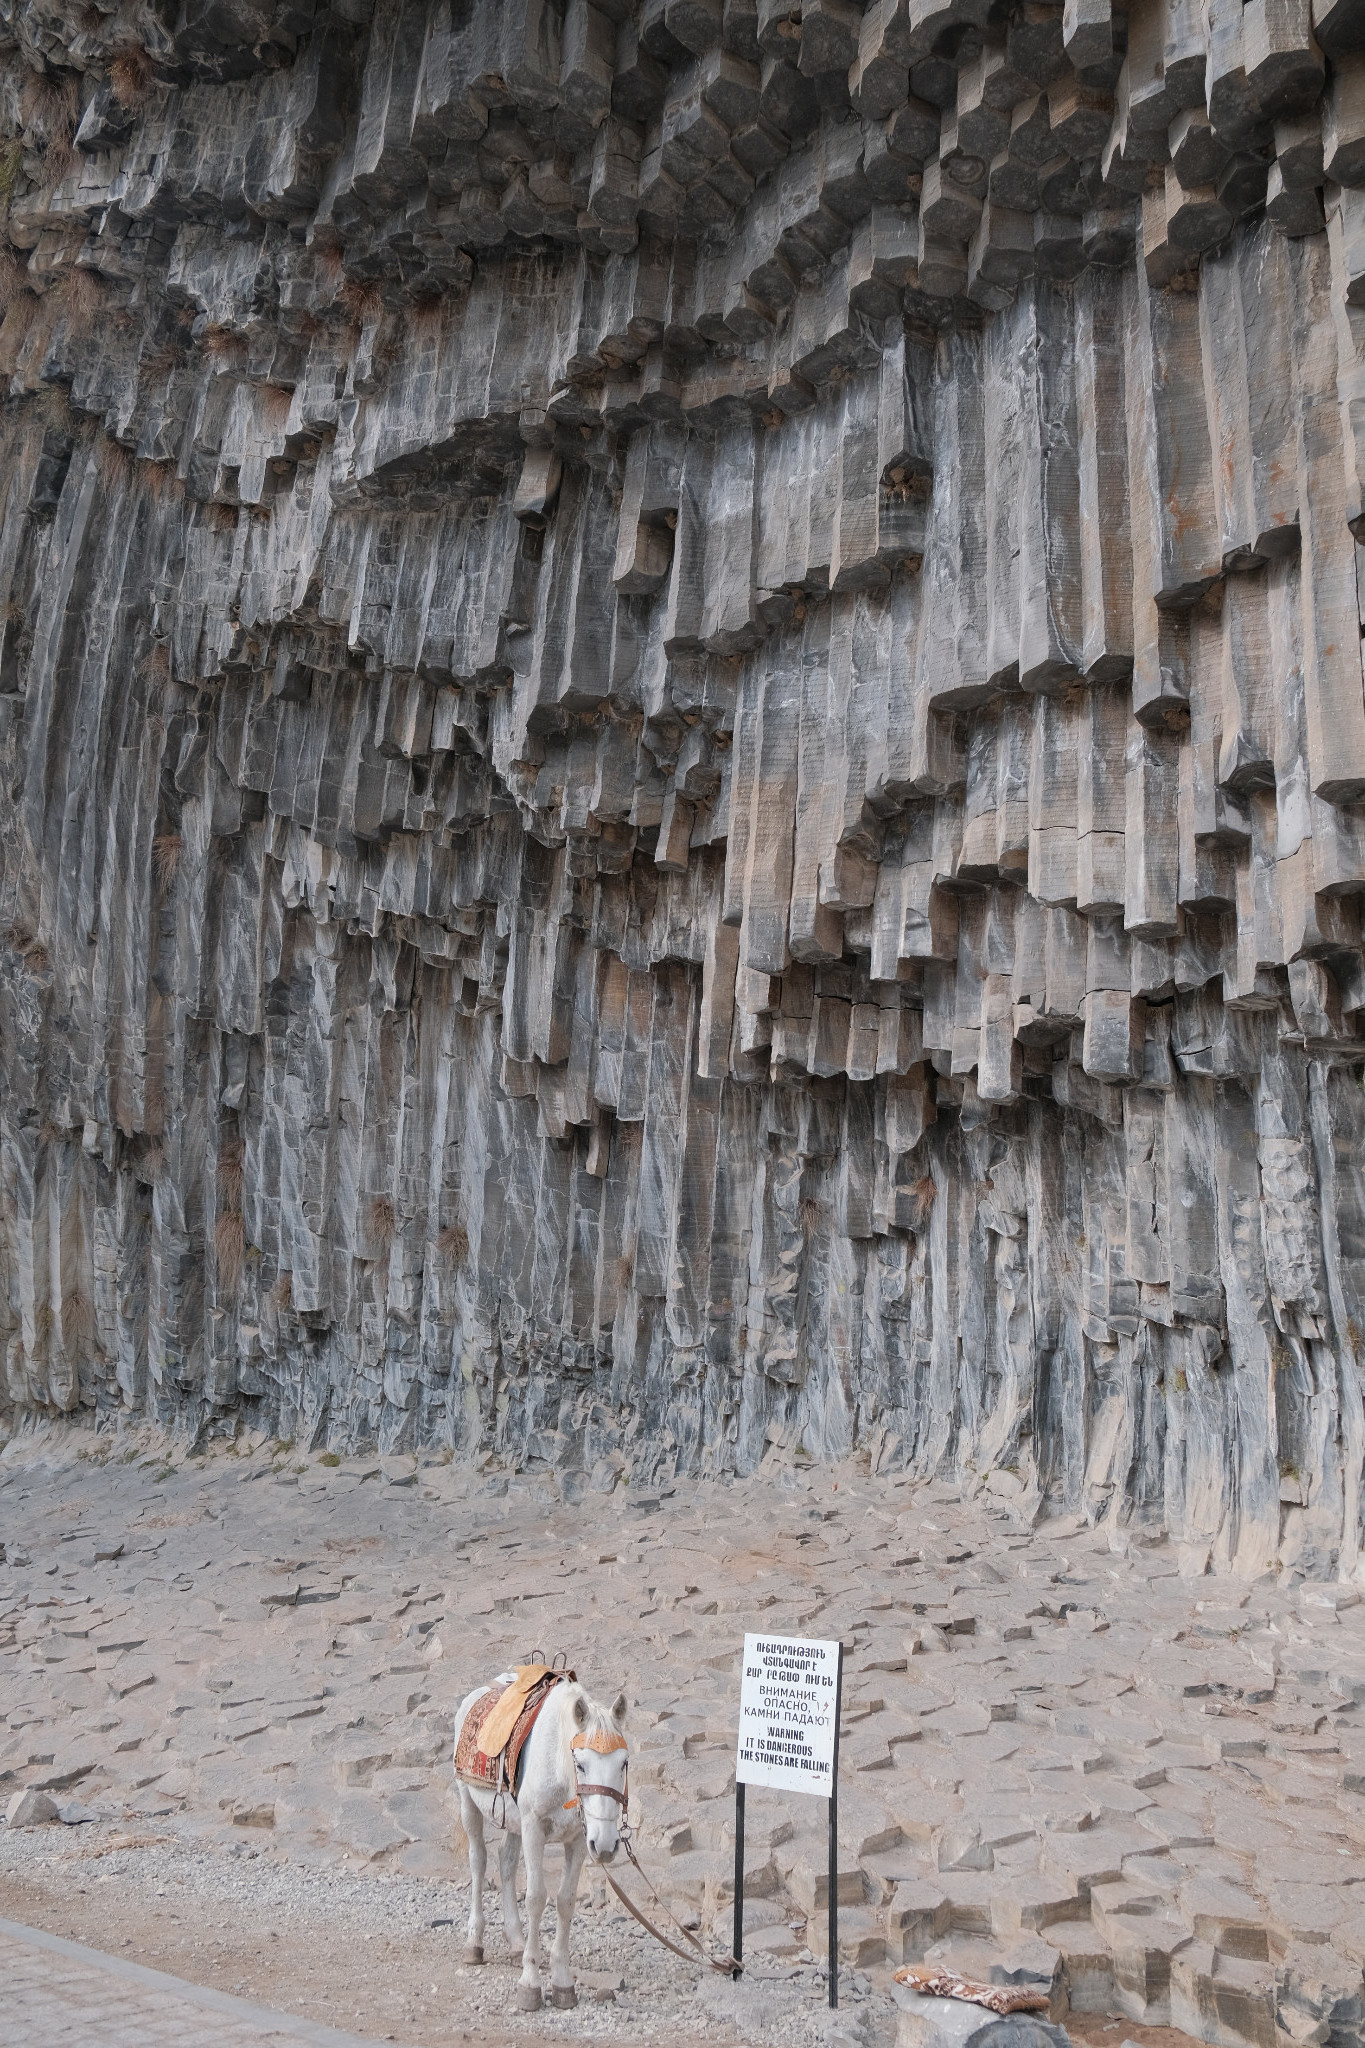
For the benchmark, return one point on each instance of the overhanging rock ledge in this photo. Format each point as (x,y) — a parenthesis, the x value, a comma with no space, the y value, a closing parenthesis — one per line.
(682,706)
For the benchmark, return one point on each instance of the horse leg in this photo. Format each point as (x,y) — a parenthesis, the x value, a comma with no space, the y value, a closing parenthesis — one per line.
(562,1991)
(533,1848)
(478,1864)
(507,1883)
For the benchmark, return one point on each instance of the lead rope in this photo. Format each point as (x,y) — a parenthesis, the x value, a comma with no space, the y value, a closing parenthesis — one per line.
(726,1967)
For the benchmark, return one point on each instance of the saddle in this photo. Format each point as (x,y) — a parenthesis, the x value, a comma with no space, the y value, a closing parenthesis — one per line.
(488,1749)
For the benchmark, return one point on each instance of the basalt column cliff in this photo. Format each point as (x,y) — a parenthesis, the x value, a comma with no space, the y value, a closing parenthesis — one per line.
(683,737)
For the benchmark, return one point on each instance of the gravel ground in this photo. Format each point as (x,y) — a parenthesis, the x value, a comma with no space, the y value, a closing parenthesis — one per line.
(379,1952)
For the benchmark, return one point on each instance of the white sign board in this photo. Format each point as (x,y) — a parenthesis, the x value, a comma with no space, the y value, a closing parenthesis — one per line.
(787,1709)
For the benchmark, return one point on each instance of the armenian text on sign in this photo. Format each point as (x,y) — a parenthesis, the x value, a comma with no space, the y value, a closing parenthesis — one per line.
(788,1712)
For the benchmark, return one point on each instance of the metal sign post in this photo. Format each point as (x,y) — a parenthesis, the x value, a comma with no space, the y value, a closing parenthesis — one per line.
(834,1841)
(737,1945)
(790,1698)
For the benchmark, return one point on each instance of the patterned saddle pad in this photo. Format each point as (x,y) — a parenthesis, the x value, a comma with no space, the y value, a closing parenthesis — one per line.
(498,1768)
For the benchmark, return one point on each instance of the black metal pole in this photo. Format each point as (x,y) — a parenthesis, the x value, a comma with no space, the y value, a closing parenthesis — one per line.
(834,1843)
(737,1949)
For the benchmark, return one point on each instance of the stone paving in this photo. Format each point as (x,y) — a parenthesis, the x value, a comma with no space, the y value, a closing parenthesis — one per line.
(1066,1756)
(58,1994)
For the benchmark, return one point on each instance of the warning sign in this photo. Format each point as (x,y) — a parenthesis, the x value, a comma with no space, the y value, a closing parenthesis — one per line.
(788,1711)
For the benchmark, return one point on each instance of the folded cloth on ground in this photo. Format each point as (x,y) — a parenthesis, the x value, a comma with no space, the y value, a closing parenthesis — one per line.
(947,1984)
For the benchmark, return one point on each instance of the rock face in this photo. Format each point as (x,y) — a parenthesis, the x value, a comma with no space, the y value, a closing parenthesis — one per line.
(683,709)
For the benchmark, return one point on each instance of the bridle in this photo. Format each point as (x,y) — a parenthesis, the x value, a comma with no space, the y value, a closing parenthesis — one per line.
(601,1744)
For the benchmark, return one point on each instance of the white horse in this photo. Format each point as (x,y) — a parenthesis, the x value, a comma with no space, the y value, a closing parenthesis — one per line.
(573,1791)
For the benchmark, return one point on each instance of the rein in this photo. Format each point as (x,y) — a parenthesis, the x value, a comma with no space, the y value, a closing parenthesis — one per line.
(603,1744)
(725,1966)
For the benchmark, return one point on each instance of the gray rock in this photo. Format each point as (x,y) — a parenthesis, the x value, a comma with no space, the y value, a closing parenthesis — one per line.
(671,804)
(954,2023)
(30,1809)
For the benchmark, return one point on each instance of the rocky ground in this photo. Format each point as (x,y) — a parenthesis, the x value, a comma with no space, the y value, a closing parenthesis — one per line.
(233,1678)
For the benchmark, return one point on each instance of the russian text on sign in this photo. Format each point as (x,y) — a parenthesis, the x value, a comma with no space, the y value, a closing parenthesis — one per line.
(787,1708)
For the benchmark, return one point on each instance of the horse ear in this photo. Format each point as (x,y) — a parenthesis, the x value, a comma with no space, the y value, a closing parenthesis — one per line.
(618,1712)
(580,1712)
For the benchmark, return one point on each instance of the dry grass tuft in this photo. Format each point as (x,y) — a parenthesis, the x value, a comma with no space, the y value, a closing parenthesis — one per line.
(229,1244)
(130,76)
(380,1224)
(13,277)
(161,483)
(11,163)
(23,937)
(167,850)
(231,1158)
(362,298)
(84,297)
(50,107)
(115,461)
(161,359)
(53,407)
(274,405)
(59,160)
(453,1243)
(220,344)
(389,347)
(78,1322)
(17,322)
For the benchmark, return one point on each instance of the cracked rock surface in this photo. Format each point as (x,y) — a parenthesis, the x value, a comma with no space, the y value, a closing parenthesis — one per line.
(1066,1761)
(681,698)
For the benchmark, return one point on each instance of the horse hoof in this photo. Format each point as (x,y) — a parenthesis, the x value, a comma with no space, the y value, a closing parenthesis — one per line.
(471,1953)
(564,1997)
(528,1998)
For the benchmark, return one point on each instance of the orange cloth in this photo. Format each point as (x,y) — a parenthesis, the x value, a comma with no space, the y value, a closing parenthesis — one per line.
(1003,1998)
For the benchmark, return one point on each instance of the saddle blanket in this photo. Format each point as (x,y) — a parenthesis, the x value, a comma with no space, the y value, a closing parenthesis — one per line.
(488,1749)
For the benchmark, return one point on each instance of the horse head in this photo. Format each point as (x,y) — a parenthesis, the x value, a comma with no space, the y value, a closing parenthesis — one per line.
(601,1762)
